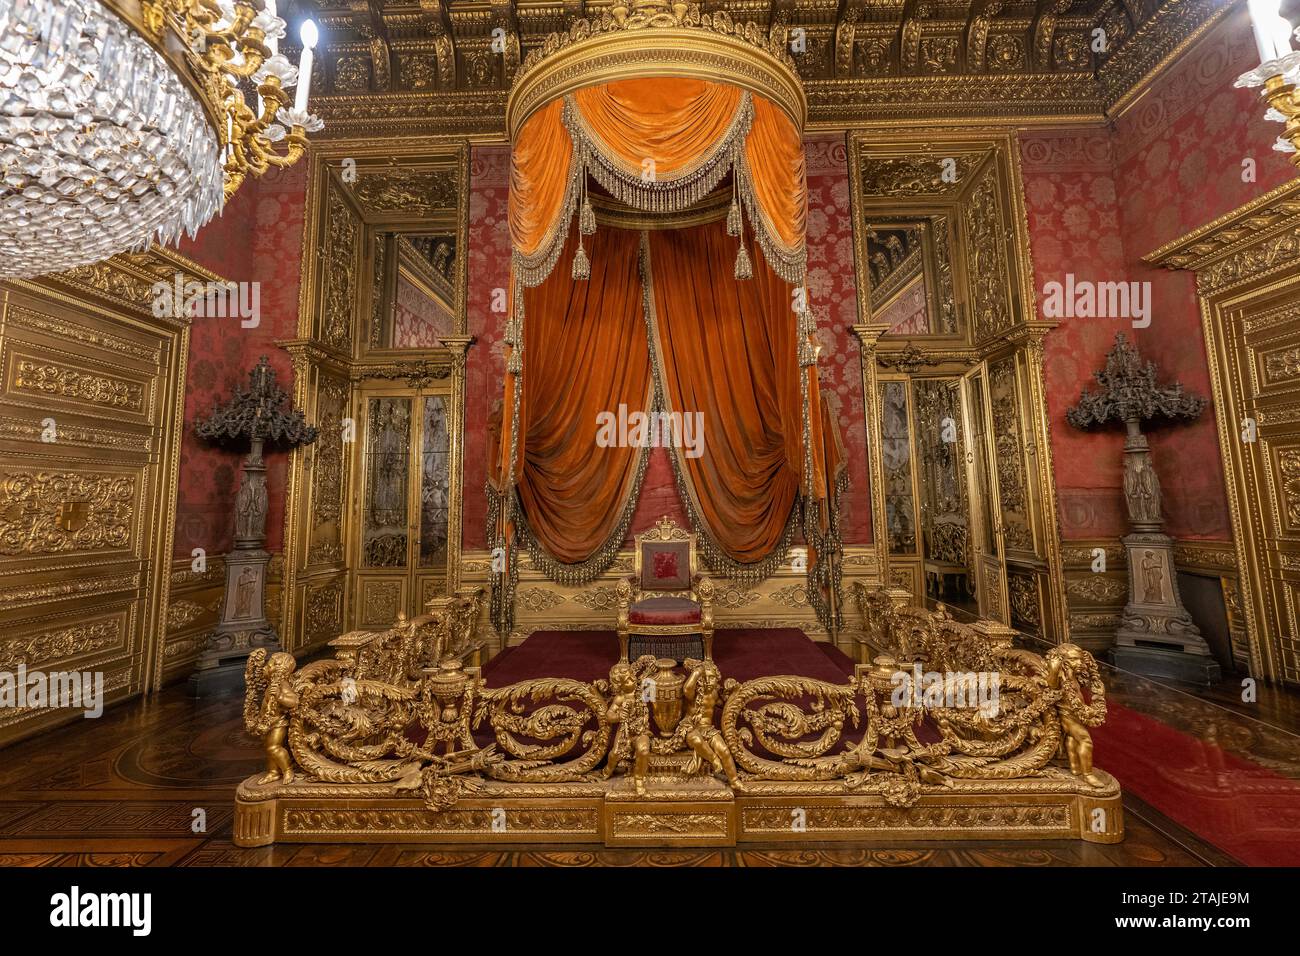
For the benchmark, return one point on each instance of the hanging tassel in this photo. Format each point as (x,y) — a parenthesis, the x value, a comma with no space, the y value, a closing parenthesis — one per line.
(733,218)
(581,264)
(744,269)
(586,218)
(807,354)
(515,363)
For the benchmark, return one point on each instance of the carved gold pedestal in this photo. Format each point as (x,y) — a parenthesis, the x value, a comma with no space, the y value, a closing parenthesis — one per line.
(675,813)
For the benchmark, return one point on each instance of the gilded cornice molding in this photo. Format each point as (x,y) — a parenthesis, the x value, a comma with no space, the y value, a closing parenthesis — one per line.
(436,70)
(125,281)
(479,114)
(1244,244)
(1023,99)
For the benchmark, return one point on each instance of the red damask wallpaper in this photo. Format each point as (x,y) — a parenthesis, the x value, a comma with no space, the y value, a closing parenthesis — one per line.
(489,269)
(222,351)
(1179,155)
(833,296)
(1070,198)
(419,320)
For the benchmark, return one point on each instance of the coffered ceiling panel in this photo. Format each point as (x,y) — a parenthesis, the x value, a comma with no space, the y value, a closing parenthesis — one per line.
(446,65)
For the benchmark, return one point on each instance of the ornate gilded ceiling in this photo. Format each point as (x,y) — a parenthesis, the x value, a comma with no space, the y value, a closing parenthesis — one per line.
(421,66)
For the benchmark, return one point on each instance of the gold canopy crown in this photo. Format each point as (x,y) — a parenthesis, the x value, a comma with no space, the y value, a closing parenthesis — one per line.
(649,38)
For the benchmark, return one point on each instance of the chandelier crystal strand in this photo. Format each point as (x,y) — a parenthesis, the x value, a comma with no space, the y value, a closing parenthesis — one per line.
(105,144)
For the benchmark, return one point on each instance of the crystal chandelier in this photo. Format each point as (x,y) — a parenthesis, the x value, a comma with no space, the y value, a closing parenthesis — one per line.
(122,121)
(1278,72)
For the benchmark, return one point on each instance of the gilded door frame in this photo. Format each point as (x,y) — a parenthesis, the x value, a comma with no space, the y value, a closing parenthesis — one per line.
(358,189)
(903,173)
(411,575)
(980,487)
(1243,260)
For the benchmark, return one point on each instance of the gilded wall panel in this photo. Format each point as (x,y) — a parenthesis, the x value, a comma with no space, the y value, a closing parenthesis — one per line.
(328,474)
(91,402)
(1013,486)
(46,513)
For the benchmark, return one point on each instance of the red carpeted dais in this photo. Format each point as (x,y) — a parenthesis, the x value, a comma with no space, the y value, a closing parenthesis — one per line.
(742,654)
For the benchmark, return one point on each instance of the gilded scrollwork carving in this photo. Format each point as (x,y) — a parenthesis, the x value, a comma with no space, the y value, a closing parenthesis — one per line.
(62,380)
(342,234)
(348,720)
(52,512)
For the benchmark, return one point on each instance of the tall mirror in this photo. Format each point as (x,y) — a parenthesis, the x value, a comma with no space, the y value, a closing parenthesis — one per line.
(910,275)
(414,291)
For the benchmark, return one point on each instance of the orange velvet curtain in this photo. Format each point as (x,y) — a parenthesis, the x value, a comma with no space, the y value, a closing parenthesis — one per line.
(775,162)
(728,348)
(677,122)
(585,352)
(539,182)
(680,123)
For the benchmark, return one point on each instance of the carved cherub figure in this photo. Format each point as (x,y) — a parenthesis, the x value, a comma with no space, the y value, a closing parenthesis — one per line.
(703,684)
(632,717)
(1069,669)
(269,699)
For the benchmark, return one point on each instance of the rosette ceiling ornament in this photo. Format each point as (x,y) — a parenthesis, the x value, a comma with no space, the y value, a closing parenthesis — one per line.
(123,122)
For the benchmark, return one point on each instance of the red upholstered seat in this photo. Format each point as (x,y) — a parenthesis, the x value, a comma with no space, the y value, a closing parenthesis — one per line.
(664,610)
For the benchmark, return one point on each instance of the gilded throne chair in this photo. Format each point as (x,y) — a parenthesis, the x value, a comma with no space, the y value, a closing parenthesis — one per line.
(666,607)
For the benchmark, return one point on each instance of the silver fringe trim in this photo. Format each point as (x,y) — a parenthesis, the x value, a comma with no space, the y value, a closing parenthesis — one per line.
(792,267)
(661,195)
(533,270)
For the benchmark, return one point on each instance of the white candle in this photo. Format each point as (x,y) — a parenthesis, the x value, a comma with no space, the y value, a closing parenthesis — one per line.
(1272,31)
(309,36)
(272,42)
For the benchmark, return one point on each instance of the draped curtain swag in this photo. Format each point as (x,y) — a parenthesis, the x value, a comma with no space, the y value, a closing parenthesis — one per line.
(687,320)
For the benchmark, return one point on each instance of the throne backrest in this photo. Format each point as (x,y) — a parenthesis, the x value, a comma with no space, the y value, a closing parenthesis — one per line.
(665,557)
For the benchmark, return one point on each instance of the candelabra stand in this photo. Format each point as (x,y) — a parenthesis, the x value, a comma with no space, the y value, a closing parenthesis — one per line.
(258,416)
(1156,634)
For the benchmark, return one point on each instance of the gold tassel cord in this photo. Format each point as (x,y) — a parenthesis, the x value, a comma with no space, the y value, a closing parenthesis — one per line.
(744,268)
(581,264)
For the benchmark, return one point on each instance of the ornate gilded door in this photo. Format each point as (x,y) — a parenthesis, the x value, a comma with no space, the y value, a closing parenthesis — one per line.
(988,545)
(932,497)
(1260,430)
(402,514)
(91,401)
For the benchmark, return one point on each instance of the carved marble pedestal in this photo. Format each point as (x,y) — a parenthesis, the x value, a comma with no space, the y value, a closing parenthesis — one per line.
(1156,634)
(243,624)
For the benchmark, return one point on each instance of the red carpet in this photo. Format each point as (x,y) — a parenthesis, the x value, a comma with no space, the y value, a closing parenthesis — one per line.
(742,654)
(1242,808)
